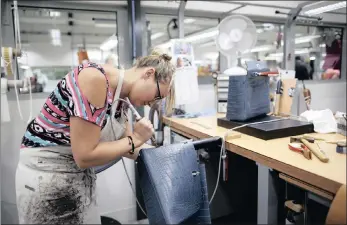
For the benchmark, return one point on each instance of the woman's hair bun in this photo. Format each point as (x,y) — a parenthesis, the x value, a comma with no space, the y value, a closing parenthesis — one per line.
(161,54)
(166,57)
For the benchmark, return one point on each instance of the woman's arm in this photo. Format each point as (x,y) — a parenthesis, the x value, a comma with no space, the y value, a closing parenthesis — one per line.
(85,132)
(137,150)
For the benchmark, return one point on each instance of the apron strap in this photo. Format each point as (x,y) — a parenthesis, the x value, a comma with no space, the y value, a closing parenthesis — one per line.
(119,88)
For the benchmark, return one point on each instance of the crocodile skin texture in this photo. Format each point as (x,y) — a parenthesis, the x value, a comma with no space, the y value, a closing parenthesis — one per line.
(248,97)
(174,185)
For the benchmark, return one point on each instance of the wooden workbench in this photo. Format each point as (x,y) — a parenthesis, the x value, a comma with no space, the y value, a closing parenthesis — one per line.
(327,177)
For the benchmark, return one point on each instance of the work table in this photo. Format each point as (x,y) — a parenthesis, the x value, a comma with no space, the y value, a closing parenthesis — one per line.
(273,153)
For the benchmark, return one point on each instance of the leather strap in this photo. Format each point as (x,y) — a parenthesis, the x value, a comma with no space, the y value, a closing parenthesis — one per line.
(119,88)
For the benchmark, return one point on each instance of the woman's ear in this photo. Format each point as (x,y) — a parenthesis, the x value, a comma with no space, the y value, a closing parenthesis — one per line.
(149,72)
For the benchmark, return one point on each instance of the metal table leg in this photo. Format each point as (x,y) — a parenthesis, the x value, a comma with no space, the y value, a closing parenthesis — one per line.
(267,197)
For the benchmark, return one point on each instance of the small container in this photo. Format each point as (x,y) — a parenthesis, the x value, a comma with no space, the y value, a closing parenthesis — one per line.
(341,124)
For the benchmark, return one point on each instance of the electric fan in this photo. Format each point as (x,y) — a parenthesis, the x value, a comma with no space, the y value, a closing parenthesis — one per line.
(237,35)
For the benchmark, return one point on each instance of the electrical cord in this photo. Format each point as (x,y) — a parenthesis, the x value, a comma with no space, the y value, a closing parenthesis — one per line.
(18,47)
(223,151)
(125,169)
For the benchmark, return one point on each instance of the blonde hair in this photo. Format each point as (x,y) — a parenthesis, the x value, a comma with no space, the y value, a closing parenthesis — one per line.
(165,71)
(161,61)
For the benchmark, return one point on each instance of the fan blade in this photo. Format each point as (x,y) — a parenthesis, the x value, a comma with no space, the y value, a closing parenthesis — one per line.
(236,24)
(224,41)
(246,42)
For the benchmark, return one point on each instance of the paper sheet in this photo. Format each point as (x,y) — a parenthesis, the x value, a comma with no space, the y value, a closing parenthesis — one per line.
(186,86)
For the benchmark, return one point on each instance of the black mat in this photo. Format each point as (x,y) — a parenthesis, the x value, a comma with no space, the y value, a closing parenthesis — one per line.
(271,130)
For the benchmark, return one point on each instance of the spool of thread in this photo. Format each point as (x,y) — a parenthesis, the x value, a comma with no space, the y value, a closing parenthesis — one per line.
(341,149)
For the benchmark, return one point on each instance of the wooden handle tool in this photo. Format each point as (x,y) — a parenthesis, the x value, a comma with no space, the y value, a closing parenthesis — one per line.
(316,150)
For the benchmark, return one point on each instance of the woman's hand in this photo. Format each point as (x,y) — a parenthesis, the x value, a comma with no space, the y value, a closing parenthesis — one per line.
(143,130)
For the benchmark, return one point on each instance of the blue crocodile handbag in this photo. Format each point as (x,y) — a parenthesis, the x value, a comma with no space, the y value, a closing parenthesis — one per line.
(173,184)
(249,95)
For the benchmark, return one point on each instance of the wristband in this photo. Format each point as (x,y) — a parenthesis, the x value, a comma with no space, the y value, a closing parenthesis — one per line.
(132,151)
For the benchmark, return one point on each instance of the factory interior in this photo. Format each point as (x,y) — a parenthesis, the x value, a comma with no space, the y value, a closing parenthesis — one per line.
(250,127)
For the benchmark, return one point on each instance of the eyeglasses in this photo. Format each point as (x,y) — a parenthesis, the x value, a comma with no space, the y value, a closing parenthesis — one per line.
(158,97)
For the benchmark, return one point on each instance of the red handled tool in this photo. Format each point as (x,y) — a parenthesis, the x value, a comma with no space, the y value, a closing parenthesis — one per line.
(301,148)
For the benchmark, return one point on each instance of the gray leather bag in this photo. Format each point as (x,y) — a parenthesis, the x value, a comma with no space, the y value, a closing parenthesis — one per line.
(173,184)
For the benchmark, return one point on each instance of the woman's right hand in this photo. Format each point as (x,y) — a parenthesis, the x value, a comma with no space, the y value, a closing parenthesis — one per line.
(143,130)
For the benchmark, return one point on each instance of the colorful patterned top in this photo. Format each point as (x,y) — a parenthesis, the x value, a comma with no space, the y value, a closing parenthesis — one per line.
(52,126)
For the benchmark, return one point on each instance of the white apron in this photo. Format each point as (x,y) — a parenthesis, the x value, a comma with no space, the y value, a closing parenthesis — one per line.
(50,187)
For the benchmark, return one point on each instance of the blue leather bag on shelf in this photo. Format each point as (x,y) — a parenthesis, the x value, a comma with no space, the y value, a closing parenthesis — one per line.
(173,184)
(248,95)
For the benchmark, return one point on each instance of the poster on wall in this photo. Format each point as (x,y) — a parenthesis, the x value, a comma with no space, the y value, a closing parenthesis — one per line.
(182,53)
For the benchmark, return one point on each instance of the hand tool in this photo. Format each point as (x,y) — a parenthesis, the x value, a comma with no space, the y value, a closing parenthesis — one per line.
(315,138)
(138,117)
(301,148)
(317,151)
(298,139)
(312,146)
(279,92)
(269,73)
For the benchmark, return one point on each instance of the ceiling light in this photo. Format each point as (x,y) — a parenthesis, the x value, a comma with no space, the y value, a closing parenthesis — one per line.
(54,13)
(204,35)
(326,8)
(322,45)
(261,48)
(312,58)
(268,26)
(212,43)
(306,39)
(189,20)
(56,42)
(260,31)
(106,25)
(55,33)
(25,67)
(109,44)
(157,35)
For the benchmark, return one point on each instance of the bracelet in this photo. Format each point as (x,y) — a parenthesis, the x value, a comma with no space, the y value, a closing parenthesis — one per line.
(132,151)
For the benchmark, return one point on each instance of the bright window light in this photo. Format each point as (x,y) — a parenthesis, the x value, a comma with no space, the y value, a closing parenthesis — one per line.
(109,44)
(189,20)
(326,8)
(157,35)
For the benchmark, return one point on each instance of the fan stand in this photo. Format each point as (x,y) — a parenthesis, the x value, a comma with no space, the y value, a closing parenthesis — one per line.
(231,59)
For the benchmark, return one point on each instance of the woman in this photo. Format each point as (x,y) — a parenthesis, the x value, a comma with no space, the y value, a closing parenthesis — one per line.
(82,125)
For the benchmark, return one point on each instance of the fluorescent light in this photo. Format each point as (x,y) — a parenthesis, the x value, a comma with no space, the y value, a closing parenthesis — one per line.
(56,42)
(189,20)
(54,13)
(157,35)
(326,8)
(306,39)
(312,58)
(297,51)
(25,67)
(106,25)
(200,36)
(262,48)
(260,30)
(55,33)
(212,43)
(268,26)
(110,43)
